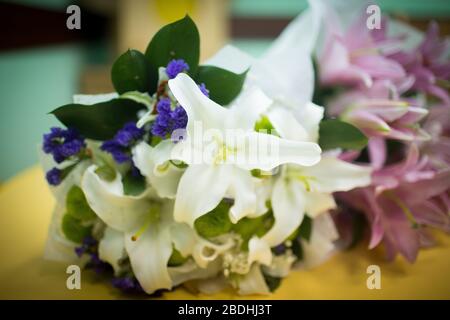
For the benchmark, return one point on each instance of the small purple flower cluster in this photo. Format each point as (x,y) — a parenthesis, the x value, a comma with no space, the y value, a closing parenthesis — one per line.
(176,66)
(127,285)
(168,120)
(62,144)
(125,138)
(90,246)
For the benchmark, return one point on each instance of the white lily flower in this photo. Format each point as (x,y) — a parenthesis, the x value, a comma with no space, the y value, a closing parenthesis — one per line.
(142,228)
(153,163)
(300,189)
(223,168)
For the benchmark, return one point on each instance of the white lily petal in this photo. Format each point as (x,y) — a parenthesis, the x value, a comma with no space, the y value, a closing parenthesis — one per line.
(153,163)
(89,99)
(280,266)
(332,174)
(318,203)
(198,107)
(242,190)
(200,190)
(57,247)
(301,33)
(264,151)
(183,238)
(309,117)
(253,282)
(111,248)
(285,124)
(259,251)
(321,244)
(121,212)
(288,204)
(232,59)
(248,108)
(263,189)
(206,252)
(149,256)
(191,271)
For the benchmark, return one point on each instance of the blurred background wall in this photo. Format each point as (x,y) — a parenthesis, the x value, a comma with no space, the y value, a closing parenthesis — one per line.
(42,63)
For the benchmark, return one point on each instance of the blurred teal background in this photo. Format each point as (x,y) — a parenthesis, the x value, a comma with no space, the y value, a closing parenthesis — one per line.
(34,81)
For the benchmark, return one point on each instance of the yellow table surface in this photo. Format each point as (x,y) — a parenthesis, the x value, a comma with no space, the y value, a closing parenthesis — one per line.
(26,206)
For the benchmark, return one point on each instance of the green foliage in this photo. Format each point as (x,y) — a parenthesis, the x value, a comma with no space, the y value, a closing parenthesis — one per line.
(131,72)
(215,222)
(177,40)
(73,229)
(223,85)
(248,227)
(176,259)
(99,121)
(77,206)
(133,185)
(339,134)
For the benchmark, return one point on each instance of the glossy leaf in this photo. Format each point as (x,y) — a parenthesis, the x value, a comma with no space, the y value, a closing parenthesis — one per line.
(223,85)
(131,72)
(338,134)
(99,121)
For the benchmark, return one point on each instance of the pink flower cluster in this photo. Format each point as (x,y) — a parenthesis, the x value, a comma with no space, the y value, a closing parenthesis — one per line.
(400,99)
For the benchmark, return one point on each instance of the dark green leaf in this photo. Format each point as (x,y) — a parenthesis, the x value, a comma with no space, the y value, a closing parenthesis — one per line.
(215,222)
(248,227)
(178,40)
(223,85)
(99,121)
(73,229)
(272,282)
(77,206)
(131,72)
(297,249)
(305,228)
(133,185)
(176,259)
(339,134)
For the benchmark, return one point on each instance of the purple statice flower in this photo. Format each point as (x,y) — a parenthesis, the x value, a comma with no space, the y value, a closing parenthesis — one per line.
(428,64)
(175,66)
(356,55)
(62,143)
(54,176)
(404,198)
(127,284)
(203,89)
(125,138)
(97,264)
(167,119)
(89,244)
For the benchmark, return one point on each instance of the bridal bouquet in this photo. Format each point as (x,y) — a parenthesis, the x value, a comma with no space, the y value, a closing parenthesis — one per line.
(232,172)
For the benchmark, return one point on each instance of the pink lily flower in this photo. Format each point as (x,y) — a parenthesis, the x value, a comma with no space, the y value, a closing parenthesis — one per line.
(402,201)
(429,64)
(355,56)
(379,112)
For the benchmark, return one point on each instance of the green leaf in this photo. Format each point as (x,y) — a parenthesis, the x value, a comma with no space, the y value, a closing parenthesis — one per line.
(131,72)
(178,40)
(272,282)
(176,259)
(339,134)
(77,206)
(99,121)
(305,228)
(133,185)
(73,229)
(223,85)
(215,222)
(248,227)
(106,172)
